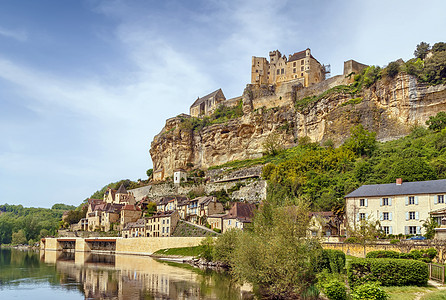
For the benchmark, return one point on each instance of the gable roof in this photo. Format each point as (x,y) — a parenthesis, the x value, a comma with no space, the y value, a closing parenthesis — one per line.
(200,100)
(406,188)
(121,190)
(241,210)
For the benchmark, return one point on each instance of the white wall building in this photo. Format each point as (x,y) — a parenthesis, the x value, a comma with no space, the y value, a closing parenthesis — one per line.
(400,207)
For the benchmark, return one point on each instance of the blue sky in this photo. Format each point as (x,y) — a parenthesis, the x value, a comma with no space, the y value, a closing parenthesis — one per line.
(85,85)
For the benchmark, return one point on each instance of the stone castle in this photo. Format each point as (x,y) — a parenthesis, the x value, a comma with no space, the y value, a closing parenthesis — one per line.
(300,65)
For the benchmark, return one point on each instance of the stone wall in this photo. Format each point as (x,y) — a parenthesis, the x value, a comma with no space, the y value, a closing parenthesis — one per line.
(253,190)
(141,245)
(149,245)
(359,250)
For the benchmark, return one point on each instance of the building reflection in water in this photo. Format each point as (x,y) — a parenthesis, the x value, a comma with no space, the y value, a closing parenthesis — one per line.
(141,277)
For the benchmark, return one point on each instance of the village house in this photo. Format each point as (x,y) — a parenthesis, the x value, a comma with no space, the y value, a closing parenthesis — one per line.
(239,216)
(169,203)
(179,175)
(206,105)
(135,229)
(400,207)
(300,66)
(162,224)
(208,205)
(325,224)
(120,196)
(129,213)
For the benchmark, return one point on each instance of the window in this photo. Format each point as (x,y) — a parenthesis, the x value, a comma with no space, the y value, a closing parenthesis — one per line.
(412,229)
(386,216)
(301,68)
(440,198)
(167,229)
(278,71)
(294,64)
(167,221)
(385,201)
(257,71)
(282,71)
(163,221)
(363,202)
(302,62)
(301,74)
(294,70)
(386,229)
(362,216)
(411,200)
(411,215)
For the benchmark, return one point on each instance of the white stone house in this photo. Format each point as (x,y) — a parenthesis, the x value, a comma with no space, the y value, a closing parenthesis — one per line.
(401,207)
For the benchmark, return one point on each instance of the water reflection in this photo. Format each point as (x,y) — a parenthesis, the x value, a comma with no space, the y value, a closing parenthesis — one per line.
(124,276)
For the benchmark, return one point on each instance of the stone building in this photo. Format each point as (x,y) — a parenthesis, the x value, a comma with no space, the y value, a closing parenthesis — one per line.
(135,229)
(400,207)
(130,213)
(120,196)
(206,105)
(300,66)
(162,224)
(239,216)
(179,175)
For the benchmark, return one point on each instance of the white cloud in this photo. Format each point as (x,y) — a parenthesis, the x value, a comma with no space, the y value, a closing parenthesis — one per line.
(17,34)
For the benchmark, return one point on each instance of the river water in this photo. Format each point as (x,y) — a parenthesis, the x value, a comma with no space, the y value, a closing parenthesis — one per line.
(67,275)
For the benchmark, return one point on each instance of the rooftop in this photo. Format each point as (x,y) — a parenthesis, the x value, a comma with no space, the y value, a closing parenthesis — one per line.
(406,188)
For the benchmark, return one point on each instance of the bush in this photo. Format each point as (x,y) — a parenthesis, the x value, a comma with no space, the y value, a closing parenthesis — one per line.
(424,255)
(388,272)
(394,241)
(332,260)
(335,290)
(383,254)
(369,291)
(351,240)
(218,230)
(225,245)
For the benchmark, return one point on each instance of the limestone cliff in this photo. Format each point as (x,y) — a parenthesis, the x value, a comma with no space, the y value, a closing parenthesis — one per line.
(389,107)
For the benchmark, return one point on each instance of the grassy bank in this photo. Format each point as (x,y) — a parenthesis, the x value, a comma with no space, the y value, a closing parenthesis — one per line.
(183,251)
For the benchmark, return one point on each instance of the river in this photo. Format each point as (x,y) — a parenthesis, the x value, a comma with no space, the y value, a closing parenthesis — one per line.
(81,275)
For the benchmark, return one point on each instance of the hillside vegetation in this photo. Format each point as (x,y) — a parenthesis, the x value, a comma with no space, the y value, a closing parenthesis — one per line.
(26,225)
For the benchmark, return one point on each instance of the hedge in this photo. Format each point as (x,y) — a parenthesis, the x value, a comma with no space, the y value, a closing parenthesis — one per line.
(332,260)
(389,272)
(424,255)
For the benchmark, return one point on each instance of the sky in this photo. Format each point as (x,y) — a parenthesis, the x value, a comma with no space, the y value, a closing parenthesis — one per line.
(85,85)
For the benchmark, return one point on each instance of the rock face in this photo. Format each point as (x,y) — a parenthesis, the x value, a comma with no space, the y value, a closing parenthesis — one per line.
(389,107)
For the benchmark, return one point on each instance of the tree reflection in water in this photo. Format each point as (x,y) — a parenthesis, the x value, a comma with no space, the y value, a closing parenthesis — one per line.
(117,276)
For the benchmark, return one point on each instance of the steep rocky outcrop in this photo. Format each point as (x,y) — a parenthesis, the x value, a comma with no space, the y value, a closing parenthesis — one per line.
(389,107)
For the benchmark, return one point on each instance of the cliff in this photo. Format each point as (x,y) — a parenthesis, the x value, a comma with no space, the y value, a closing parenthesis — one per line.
(390,107)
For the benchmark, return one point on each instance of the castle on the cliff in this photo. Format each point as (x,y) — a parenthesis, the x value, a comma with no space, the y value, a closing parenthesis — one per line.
(300,65)
(300,68)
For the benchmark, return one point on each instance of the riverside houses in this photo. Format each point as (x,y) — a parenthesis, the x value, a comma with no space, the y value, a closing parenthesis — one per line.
(400,207)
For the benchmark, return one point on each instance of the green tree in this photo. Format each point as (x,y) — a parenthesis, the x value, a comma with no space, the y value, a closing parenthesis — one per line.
(19,238)
(272,145)
(438,47)
(361,141)
(149,173)
(276,255)
(421,50)
(392,69)
(437,122)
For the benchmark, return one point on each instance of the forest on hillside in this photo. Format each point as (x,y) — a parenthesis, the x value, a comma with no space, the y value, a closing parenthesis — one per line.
(27,225)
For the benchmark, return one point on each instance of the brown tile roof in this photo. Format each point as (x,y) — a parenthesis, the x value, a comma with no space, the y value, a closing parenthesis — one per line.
(242,211)
(131,207)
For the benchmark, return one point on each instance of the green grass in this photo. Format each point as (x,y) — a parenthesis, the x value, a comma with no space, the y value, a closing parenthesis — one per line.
(183,251)
(438,295)
(408,292)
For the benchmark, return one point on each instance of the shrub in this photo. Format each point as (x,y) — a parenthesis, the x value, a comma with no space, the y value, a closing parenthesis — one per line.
(394,241)
(383,254)
(335,290)
(207,249)
(225,245)
(218,230)
(332,260)
(351,240)
(312,292)
(369,291)
(387,271)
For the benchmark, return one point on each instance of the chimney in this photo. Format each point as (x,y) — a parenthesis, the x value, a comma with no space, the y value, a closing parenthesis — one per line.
(399,181)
